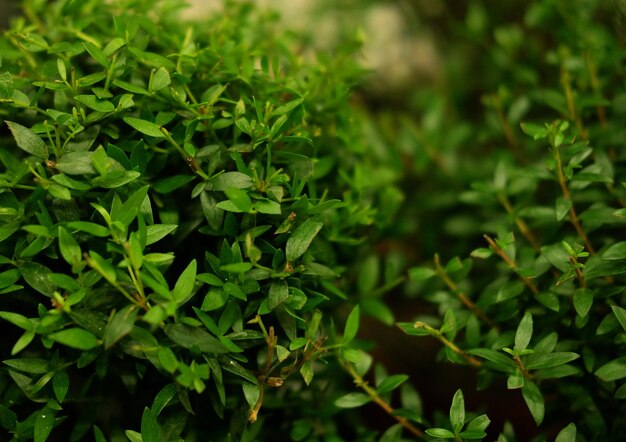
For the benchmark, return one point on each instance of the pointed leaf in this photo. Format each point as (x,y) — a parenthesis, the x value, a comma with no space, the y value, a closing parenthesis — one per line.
(28,140)
(457,411)
(352,325)
(524,332)
(302,237)
(145,127)
(534,401)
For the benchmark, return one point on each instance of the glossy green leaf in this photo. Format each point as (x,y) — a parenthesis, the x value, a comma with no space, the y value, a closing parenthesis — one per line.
(120,325)
(185,283)
(567,434)
(44,423)
(524,332)
(61,385)
(77,338)
(583,300)
(440,433)
(302,237)
(161,79)
(352,400)
(620,314)
(95,103)
(194,338)
(28,140)
(278,293)
(613,370)
(352,325)
(534,401)
(29,365)
(145,127)
(391,383)
(69,248)
(457,411)
(150,431)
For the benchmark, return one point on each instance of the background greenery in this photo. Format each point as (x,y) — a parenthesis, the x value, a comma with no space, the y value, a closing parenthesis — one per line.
(226,230)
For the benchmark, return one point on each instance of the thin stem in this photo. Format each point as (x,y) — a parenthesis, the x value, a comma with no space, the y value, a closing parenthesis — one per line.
(566,195)
(511,263)
(571,103)
(373,394)
(441,272)
(451,345)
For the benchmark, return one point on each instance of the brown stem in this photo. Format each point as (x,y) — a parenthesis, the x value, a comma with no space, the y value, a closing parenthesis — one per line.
(373,394)
(572,211)
(595,85)
(579,273)
(507,129)
(511,263)
(462,296)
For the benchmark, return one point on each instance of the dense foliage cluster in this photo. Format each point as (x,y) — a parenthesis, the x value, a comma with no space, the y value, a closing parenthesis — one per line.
(196,219)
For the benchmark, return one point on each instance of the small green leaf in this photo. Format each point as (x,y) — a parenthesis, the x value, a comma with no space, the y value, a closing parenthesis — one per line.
(567,434)
(278,293)
(352,325)
(120,325)
(612,371)
(440,433)
(28,140)
(36,276)
(307,372)
(61,385)
(95,103)
(44,423)
(160,80)
(156,232)
(352,400)
(534,401)
(236,267)
(16,319)
(302,237)
(97,54)
(583,300)
(231,180)
(238,201)
(29,365)
(615,252)
(168,360)
(479,423)
(69,248)
(145,127)
(194,338)
(535,130)
(392,434)
(130,209)
(472,435)
(267,206)
(457,411)
(150,431)
(524,332)
(421,273)
(540,361)
(184,284)
(391,383)
(77,338)
(620,314)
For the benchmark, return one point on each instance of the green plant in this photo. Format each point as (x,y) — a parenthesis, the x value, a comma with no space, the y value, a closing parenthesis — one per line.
(197,224)
(173,223)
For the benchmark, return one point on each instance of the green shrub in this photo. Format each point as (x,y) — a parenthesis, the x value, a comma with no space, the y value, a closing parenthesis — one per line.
(195,220)
(177,209)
